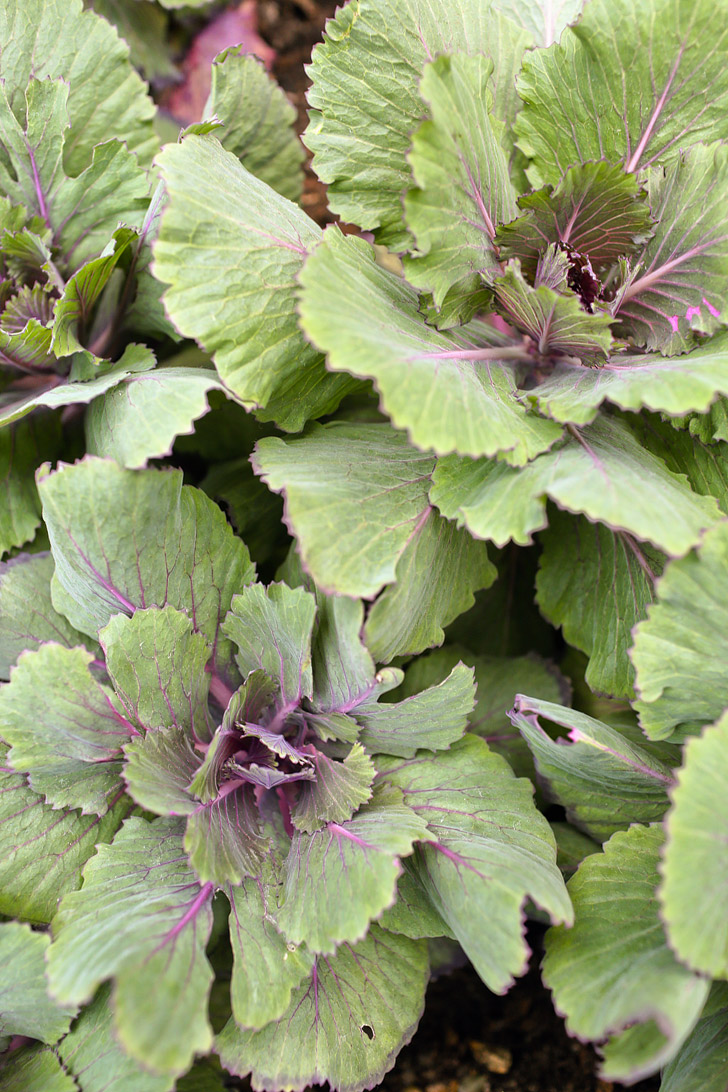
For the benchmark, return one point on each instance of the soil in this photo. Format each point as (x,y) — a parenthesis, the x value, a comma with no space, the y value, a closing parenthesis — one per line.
(469,1040)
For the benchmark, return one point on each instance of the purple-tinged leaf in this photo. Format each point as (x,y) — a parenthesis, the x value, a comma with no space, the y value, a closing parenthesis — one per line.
(27,616)
(338,790)
(434,718)
(37,1069)
(276,744)
(266,968)
(344,875)
(492,849)
(344,1025)
(250,701)
(157,664)
(338,726)
(604,781)
(557,323)
(223,839)
(271,628)
(42,850)
(683,269)
(206,781)
(142,918)
(64,728)
(159,767)
(596,209)
(123,539)
(270,777)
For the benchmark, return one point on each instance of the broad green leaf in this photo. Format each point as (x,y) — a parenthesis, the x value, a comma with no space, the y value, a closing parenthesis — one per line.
(271,628)
(142,918)
(140,418)
(695,858)
(410,615)
(355,495)
(231,250)
(597,585)
(602,472)
(463,191)
(675,386)
(452,392)
(612,973)
(432,719)
(684,266)
(413,914)
(157,665)
(25,1007)
(258,121)
(143,26)
(81,211)
(596,209)
(29,348)
(492,849)
(64,728)
(73,311)
(576,108)
(266,969)
(572,847)
(223,839)
(341,877)
(36,1070)
(679,652)
(344,1025)
(602,780)
(700,1064)
(42,850)
(557,323)
(543,19)
(123,539)
(91,1053)
(136,358)
(343,669)
(22,448)
(158,770)
(255,512)
(498,679)
(57,38)
(366,75)
(27,616)
(338,791)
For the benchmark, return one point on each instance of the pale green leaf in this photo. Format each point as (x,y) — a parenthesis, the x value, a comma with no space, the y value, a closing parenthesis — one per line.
(42,850)
(345,1024)
(159,768)
(266,969)
(143,415)
(492,849)
(341,877)
(463,191)
(343,669)
(27,616)
(602,780)
(612,973)
(683,268)
(355,495)
(597,585)
(602,472)
(142,918)
(64,728)
(157,665)
(695,858)
(258,121)
(36,1070)
(339,790)
(413,914)
(366,103)
(543,19)
(432,719)
(680,651)
(231,249)
(700,1064)
(452,392)
(25,1007)
(93,1055)
(577,108)
(123,539)
(271,628)
(144,28)
(410,615)
(22,448)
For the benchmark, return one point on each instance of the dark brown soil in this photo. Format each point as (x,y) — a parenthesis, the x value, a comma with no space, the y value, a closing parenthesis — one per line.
(469,1040)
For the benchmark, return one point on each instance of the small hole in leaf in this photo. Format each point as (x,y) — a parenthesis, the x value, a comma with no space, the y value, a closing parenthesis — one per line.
(368,1031)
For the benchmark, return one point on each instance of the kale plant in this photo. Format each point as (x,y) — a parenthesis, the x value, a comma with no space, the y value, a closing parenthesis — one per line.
(242,816)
